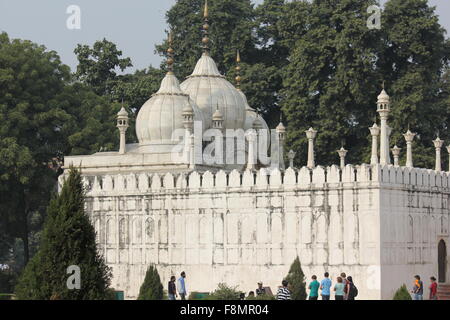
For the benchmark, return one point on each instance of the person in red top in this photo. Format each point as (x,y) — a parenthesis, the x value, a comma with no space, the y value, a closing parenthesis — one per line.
(433,289)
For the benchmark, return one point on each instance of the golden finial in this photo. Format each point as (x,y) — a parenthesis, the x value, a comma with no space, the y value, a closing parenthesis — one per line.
(205,12)
(170,53)
(238,71)
(205,39)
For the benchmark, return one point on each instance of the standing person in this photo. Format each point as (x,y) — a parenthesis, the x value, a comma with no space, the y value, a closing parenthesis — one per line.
(182,286)
(325,286)
(283,292)
(314,288)
(417,288)
(344,282)
(339,289)
(433,289)
(172,290)
(350,289)
(260,291)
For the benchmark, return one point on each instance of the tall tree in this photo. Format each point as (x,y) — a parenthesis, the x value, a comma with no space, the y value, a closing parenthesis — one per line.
(68,240)
(330,83)
(98,66)
(414,57)
(31,79)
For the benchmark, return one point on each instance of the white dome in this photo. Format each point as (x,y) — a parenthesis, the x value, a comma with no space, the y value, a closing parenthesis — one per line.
(209,89)
(162,114)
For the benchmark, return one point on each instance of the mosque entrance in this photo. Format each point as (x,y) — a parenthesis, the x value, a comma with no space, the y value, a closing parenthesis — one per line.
(442,261)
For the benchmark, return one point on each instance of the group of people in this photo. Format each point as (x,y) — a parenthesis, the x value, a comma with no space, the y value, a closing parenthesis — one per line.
(344,289)
(177,288)
(417,289)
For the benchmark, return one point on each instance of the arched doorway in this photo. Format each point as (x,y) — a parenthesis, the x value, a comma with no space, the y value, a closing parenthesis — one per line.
(442,261)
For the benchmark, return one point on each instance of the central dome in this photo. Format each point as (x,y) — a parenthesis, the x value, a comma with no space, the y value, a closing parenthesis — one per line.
(210,90)
(162,114)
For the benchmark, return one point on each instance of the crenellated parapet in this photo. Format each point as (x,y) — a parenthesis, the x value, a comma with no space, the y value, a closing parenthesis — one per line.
(303,178)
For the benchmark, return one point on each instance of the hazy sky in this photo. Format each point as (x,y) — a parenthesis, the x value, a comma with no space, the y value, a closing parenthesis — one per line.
(134,25)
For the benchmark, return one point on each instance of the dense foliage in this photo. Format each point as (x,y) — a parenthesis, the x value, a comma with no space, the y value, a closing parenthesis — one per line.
(151,288)
(68,240)
(296,281)
(402,294)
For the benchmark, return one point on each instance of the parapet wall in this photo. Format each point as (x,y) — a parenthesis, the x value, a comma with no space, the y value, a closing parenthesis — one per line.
(270,179)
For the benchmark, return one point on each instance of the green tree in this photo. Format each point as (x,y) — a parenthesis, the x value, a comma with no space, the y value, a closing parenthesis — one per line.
(151,288)
(31,79)
(97,66)
(330,83)
(296,281)
(68,240)
(414,57)
(402,294)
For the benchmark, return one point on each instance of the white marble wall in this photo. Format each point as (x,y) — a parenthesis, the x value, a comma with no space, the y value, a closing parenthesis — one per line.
(240,228)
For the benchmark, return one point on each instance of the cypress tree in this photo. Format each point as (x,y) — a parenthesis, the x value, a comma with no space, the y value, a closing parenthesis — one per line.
(151,288)
(68,240)
(402,294)
(296,280)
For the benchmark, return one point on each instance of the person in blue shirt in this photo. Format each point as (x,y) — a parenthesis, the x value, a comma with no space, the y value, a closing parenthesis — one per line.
(325,286)
(182,286)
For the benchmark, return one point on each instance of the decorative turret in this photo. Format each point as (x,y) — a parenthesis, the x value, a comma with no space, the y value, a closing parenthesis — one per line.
(342,154)
(291,157)
(375,132)
(252,139)
(383,104)
(409,137)
(122,125)
(448,150)
(311,135)
(438,143)
(281,132)
(217,119)
(396,152)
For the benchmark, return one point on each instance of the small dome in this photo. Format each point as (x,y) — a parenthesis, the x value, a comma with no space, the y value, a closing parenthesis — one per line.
(281,128)
(122,113)
(208,88)
(383,97)
(217,116)
(162,114)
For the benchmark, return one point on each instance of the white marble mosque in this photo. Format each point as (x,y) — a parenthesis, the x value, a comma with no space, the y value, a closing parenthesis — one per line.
(240,223)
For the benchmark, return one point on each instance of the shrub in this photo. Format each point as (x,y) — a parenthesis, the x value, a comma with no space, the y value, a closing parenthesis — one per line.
(224,292)
(402,294)
(261,297)
(296,279)
(151,288)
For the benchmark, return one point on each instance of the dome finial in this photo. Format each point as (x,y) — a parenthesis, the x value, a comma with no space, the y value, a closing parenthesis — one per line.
(238,70)
(170,53)
(205,39)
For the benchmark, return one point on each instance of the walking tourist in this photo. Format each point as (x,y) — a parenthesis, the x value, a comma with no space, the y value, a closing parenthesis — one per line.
(172,290)
(339,289)
(314,288)
(325,286)
(182,286)
(433,289)
(417,288)
(260,291)
(350,289)
(283,292)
